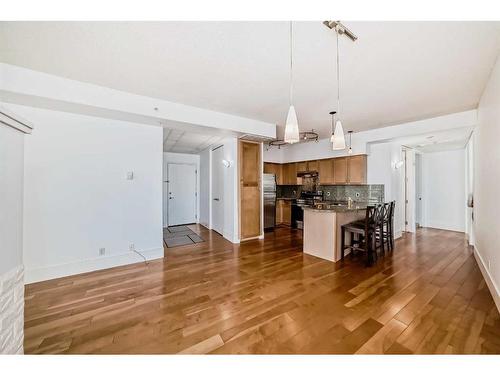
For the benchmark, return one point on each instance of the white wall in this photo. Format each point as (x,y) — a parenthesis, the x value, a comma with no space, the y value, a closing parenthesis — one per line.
(77,198)
(382,158)
(205,188)
(443,196)
(11,198)
(231,224)
(486,183)
(11,241)
(231,213)
(179,158)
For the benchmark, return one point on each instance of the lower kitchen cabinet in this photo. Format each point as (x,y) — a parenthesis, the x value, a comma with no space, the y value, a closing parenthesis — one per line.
(283,212)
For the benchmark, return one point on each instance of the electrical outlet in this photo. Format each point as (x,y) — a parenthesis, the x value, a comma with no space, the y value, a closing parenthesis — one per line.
(131,247)
(102,251)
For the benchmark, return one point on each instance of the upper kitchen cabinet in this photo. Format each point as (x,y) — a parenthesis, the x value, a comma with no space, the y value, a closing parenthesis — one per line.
(349,170)
(313,166)
(340,170)
(301,166)
(325,171)
(276,169)
(356,166)
(290,174)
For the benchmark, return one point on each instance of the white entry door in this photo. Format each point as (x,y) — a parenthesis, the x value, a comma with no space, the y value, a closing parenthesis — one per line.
(181,195)
(218,190)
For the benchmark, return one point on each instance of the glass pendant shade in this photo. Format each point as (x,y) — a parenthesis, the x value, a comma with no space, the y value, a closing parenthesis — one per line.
(292,126)
(338,139)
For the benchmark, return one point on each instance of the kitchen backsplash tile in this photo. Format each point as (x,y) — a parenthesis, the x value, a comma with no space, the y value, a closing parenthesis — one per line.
(359,193)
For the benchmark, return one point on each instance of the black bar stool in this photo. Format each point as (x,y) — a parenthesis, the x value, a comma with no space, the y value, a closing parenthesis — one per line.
(366,230)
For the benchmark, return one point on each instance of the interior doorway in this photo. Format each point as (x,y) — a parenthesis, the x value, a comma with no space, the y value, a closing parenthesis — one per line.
(408,183)
(418,191)
(181,194)
(217,195)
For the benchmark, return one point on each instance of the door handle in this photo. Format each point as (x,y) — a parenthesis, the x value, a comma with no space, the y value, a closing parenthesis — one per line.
(216,199)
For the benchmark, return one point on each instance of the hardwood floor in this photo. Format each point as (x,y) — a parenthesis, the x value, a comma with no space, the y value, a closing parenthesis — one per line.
(268,297)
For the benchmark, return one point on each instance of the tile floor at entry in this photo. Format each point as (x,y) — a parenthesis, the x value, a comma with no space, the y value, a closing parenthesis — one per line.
(180,235)
(266,296)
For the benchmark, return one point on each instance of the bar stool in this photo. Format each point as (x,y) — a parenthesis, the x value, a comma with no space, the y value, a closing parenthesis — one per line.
(367,230)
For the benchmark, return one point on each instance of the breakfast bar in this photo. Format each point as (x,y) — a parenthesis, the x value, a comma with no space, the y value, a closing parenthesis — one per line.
(322,228)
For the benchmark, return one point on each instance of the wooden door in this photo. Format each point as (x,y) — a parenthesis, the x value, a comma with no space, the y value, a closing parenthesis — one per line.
(357,169)
(250,182)
(340,170)
(313,166)
(325,171)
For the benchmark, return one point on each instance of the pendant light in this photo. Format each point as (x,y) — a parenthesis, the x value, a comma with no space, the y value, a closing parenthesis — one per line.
(349,150)
(291,125)
(338,139)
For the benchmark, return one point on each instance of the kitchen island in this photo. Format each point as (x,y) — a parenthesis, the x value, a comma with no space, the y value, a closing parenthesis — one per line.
(322,228)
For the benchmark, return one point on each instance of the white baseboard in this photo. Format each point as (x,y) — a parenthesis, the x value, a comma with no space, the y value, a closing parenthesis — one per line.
(444,226)
(67,269)
(495,292)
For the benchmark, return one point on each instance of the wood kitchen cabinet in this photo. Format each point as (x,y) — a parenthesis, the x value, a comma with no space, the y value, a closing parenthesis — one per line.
(276,169)
(313,166)
(349,170)
(290,174)
(286,212)
(343,170)
(283,212)
(340,170)
(325,172)
(356,169)
(301,166)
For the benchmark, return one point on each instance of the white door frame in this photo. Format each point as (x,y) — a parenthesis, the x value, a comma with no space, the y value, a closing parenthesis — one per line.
(165,207)
(212,177)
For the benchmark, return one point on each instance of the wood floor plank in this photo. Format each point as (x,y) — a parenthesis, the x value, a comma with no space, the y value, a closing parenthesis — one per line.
(266,296)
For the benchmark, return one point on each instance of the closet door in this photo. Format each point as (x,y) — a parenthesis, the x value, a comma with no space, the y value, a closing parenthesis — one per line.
(250,171)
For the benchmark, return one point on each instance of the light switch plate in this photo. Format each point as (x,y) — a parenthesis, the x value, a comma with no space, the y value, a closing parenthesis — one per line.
(130,175)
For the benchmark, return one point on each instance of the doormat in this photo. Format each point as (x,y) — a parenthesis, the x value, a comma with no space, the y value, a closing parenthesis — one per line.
(180,235)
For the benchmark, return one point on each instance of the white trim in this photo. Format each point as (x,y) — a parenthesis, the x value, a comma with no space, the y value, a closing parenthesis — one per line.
(444,226)
(495,293)
(88,265)
(14,121)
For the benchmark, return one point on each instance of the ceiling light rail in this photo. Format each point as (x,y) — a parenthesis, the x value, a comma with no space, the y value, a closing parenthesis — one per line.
(341,29)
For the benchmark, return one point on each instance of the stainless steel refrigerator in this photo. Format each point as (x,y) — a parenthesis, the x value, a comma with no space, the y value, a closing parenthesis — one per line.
(269,185)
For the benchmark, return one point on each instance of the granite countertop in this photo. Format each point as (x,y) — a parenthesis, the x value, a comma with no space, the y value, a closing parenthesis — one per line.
(327,207)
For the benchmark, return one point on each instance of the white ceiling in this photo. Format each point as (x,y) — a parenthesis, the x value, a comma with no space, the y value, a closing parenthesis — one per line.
(175,140)
(438,141)
(395,72)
